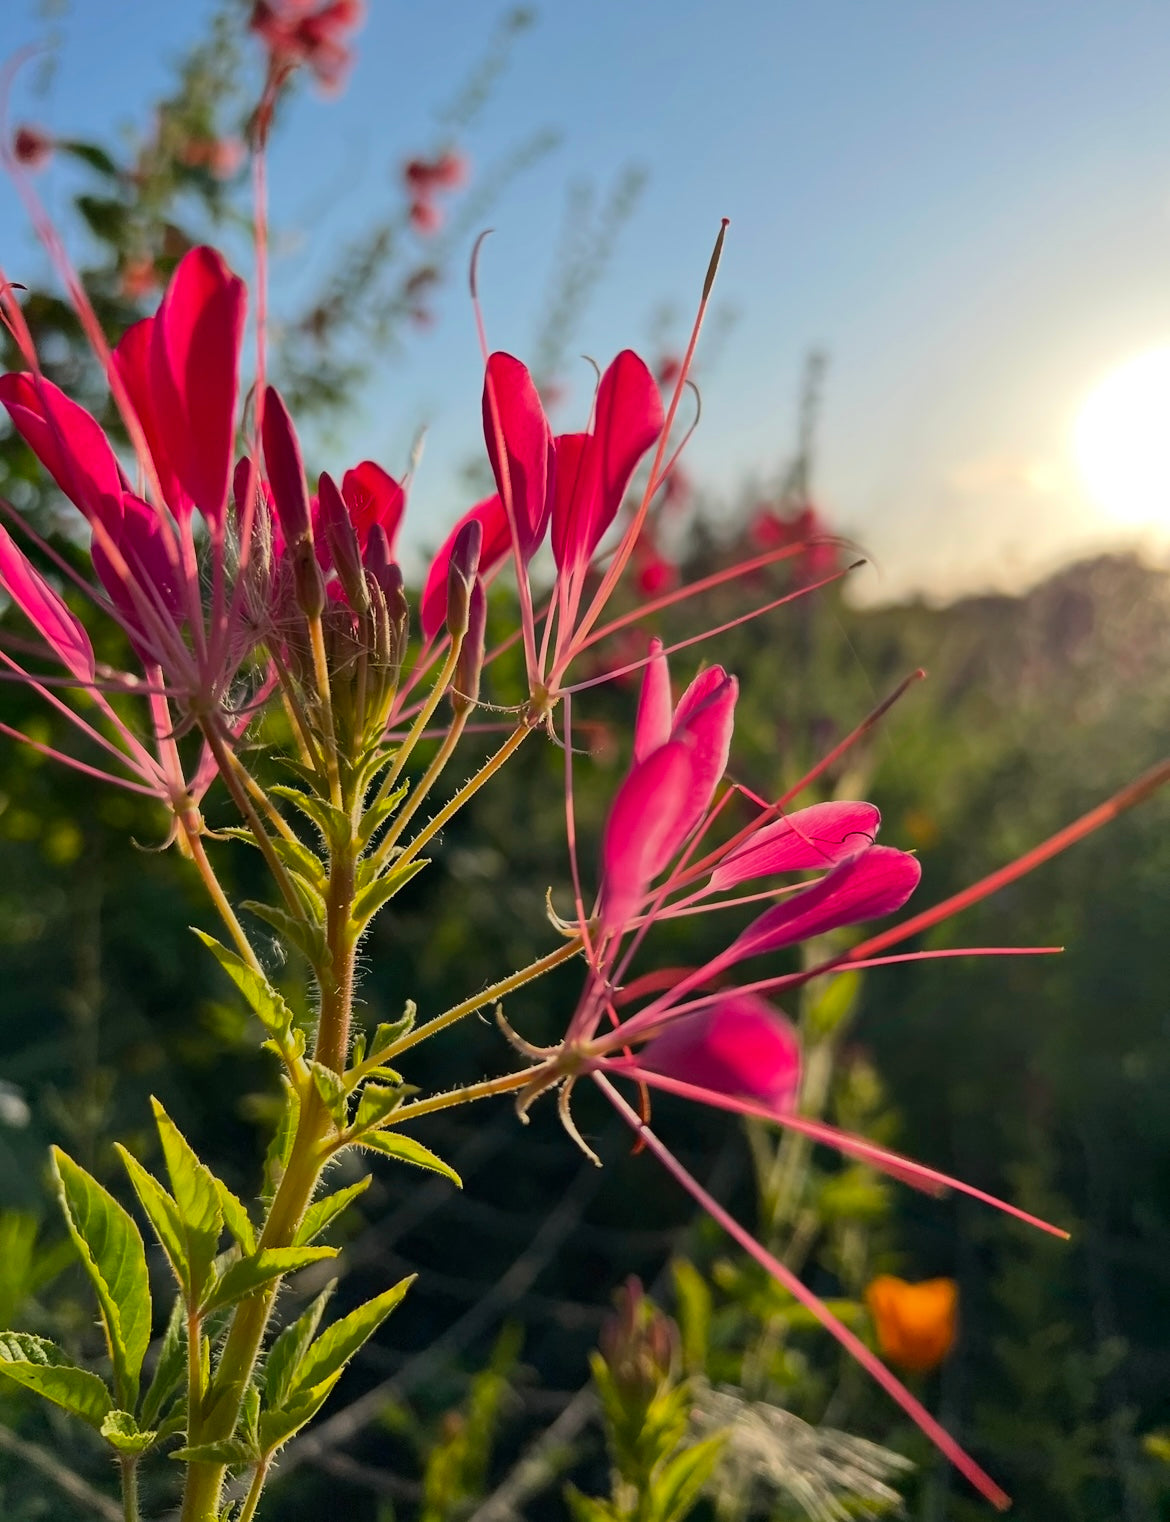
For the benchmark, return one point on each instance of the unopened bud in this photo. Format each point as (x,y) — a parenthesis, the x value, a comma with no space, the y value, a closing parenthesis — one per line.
(461,572)
(639,1344)
(342,542)
(468,668)
(286,470)
(308,580)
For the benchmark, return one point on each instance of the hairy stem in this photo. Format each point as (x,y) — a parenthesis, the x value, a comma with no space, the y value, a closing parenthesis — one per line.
(478,1001)
(469,789)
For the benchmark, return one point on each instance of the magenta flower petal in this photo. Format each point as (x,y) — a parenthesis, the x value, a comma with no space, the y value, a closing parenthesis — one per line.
(140,542)
(819,836)
(194,366)
(132,361)
(641,833)
(61,630)
(68,442)
(373,496)
(497,542)
(740,1047)
(704,718)
(511,401)
(875,881)
(653,722)
(627,421)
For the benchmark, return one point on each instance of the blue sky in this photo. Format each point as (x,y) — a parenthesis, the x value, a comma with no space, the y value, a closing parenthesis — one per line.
(966,204)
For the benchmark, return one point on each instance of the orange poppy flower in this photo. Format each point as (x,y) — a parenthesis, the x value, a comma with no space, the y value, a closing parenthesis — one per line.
(915,1323)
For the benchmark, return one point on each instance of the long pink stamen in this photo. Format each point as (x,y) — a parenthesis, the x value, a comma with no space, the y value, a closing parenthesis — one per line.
(697,639)
(852,1344)
(626,546)
(1123,800)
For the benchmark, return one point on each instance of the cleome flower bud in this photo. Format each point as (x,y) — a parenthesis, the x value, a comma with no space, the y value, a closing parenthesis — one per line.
(308,579)
(461,574)
(342,542)
(464,689)
(286,471)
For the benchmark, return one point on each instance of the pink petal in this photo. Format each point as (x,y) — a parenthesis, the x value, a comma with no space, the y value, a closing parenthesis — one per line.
(141,543)
(578,489)
(194,362)
(875,881)
(131,357)
(740,1046)
(512,412)
(61,630)
(819,836)
(704,720)
(68,442)
(497,542)
(627,420)
(641,833)
(373,496)
(652,725)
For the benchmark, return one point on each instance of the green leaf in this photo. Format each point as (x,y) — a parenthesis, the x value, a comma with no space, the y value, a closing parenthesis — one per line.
(376,816)
(40,1366)
(122,1432)
(236,1216)
(286,1353)
(269,1008)
(387,1035)
(232,1451)
(323,1212)
(277,1426)
(170,1368)
(375,1104)
(112,1251)
(407,1150)
(677,1487)
(89,153)
(334,1348)
(371,899)
(693,1296)
(248,1274)
(298,858)
(163,1215)
(333,1090)
(308,939)
(334,823)
(280,1147)
(250,1416)
(195,1195)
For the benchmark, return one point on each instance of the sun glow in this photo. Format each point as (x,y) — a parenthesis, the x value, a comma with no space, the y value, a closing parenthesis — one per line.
(1122,441)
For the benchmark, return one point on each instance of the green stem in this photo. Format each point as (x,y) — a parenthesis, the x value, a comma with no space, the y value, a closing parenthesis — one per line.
(464,1096)
(469,789)
(310,1150)
(425,783)
(423,718)
(229,770)
(246,1335)
(129,1467)
(325,693)
(220,899)
(487,996)
(252,1500)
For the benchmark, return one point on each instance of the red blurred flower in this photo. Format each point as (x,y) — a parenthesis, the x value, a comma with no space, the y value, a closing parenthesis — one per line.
(31,147)
(306,32)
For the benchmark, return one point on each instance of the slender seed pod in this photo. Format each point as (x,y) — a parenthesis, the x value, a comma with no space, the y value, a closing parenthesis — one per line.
(461,574)
(342,542)
(286,470)
(464,689)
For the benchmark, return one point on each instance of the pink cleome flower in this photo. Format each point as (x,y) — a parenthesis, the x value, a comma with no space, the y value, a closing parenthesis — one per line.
(308,32)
